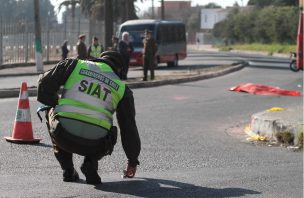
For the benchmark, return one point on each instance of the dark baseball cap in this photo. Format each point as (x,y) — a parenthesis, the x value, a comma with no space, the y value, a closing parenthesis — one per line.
(82,36)
(114,57)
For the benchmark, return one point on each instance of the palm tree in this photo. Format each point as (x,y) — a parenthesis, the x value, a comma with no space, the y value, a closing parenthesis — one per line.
(73,4)
(104,9)
(89,9)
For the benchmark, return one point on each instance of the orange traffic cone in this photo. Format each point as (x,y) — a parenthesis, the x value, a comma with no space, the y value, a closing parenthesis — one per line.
(23,131)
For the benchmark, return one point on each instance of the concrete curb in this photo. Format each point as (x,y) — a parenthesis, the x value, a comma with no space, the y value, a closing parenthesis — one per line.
(273,124)
(14,65)
(24,74)
(220,70)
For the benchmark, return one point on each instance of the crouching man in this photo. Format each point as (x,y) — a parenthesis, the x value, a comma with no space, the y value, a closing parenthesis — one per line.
(81,120)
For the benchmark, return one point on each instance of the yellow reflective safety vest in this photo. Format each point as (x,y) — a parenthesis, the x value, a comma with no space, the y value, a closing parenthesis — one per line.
(96,51)
(91,94)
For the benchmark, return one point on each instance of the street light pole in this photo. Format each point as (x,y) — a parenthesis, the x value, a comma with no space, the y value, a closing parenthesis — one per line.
(38,45)
(162,10)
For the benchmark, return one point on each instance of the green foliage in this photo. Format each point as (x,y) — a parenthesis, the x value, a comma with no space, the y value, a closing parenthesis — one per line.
(269,48)
(267,25)
(192,21)
(264,3)
(212,5)
(23,10)
(94,9)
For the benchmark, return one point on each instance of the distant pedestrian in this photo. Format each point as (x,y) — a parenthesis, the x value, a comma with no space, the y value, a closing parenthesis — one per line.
(198,43)
(81,48)
(95,49)
(149,55)
(125,49)
(64,50)
(114,46)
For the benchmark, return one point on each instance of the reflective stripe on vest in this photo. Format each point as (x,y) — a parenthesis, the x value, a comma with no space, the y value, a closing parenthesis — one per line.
(91,94)
(95,51)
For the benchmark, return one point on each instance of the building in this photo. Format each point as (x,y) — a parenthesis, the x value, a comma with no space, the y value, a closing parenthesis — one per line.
(209,17)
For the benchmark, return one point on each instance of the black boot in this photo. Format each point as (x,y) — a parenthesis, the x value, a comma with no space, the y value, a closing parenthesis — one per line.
(70,175)
(89,169)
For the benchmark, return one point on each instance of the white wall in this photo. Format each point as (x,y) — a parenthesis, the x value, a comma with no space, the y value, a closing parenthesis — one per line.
(209,17)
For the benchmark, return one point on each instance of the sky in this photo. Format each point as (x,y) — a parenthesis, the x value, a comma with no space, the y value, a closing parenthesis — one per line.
(223,3)
(148,3)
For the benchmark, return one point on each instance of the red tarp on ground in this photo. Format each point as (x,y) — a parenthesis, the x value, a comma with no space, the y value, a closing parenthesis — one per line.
(259,89)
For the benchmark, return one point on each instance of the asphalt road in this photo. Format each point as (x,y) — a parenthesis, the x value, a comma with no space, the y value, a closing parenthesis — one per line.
(192,146)
(195,60)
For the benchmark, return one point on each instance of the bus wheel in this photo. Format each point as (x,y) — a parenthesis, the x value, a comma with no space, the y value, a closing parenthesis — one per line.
(173,63)
(293,66)
(170,64)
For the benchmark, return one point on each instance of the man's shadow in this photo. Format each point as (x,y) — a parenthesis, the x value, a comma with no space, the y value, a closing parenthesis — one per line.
(148,187)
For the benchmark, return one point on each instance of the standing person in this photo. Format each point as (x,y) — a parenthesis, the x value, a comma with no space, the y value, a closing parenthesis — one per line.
(198,43)
(95,49)
(81,48)
(81,120)
(125,49)
(64,50)
(150,49)
(114,46)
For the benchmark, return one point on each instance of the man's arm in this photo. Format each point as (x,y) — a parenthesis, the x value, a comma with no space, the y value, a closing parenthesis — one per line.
(128,129)
(121,47)
(131,47)
(89,52)
(49,83)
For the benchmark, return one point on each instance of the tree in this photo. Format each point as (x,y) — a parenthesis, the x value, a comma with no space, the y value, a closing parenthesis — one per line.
(103,10)
(18,11)
(212,5)
(108,16)
(268,25)
(264,3)
(89,9)
(73,4)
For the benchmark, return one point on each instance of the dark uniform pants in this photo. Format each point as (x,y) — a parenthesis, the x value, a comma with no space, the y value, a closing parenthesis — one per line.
(149,65)
(65,144)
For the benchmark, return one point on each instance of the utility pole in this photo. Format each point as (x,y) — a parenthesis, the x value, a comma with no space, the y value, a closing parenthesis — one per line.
(108,17)
(153,15)
(38,45)
(162,10)
(1,38)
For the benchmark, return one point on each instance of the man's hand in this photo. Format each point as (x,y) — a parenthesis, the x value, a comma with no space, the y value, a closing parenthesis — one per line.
(130,172)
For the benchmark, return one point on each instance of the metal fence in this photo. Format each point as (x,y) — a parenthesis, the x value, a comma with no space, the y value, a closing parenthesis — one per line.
(17,39)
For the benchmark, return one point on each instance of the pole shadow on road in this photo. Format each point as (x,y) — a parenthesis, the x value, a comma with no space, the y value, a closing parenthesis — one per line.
(148,187)
(44,145)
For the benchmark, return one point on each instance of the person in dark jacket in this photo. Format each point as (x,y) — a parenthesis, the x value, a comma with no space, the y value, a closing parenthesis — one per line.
(81,120)
(150,49)
(82,48)
(64,50)
(125,49)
